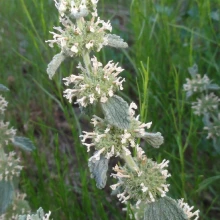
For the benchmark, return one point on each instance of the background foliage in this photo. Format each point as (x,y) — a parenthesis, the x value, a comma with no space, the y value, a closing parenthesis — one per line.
(165,38)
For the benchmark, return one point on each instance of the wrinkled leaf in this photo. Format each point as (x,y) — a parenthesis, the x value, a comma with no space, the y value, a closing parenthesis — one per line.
(24,143)
(54,64)
(98,169)
(6,194)
(213,87)
(205,183)
(3,88)
(164,209)
(116,112)
(154,139)
(116,41)
(193,70)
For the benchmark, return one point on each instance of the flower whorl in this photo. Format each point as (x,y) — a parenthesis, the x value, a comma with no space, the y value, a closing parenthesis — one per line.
(99,85)
(144,184)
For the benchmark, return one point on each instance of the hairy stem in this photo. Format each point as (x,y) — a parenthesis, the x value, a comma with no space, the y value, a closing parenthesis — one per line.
(2,153)
(130,162)
(85,54)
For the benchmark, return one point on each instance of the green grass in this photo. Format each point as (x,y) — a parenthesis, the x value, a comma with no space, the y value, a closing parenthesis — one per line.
(165,38)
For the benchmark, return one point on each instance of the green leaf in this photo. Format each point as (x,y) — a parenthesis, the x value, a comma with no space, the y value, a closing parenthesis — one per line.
(193,70)
(24,143)
(154,139)
(3,88)
(205,183)
(165,208)
(54,64)
(6,194)
(116,112)
(98,169)
(116,41)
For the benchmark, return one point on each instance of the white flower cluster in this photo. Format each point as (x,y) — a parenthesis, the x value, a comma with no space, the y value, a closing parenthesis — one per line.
(74,39)
(45,217)
(76,8)
(205,104)
(197,84)
(144,184)
(18,206)
(99,85)
(3,104)
(6,134)
(188,210)
(213,128)
(9,167)
(109,140)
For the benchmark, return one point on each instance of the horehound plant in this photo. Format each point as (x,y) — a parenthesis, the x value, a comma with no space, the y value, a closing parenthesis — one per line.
(13,205)
(140,181)
(207,103)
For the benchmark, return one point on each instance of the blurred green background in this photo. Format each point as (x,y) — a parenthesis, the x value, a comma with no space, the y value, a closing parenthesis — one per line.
(165,37)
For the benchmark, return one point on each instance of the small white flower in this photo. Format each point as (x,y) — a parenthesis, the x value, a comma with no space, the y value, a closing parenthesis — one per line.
(104,99)
(163,164)
(110,92)
(188,210)
(94,2)
(91,98)
(113,187)
(89,45)
(111,153)
(82,101)
(88,146)
(97,155)
(131,107)
(127,152)
(151,196)
(94,121)
(144,188)
(98,89)
(74,49)
(125,136)
(99,136)
(138,203)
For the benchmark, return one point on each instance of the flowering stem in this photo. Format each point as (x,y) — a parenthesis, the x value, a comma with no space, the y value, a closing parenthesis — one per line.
(87,62)
(85,54)
(130,162)
(2,153)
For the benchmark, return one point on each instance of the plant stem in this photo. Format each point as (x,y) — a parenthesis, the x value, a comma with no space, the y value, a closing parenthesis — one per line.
(85,53)
(2,153)
(130,162)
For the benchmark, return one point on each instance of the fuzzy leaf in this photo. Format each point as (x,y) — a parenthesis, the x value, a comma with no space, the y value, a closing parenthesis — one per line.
(54,64)
(193,70)
(6,194)
(115,41)
(98,169)
(165,208)
(154,139)
(3,88)
(213,87)
(24,143)
(116,112)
